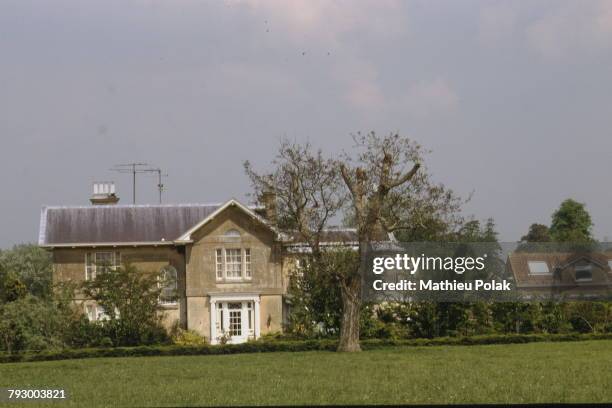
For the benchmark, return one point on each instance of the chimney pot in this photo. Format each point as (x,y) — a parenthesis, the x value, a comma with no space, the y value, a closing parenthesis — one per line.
(104,193)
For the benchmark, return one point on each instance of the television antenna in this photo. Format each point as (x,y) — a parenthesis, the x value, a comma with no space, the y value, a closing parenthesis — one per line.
(160,186)
(133,168)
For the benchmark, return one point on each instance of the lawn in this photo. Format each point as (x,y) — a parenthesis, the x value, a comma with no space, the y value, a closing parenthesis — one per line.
(515,373)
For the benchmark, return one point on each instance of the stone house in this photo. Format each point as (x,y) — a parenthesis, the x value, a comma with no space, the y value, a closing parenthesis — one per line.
(227,264)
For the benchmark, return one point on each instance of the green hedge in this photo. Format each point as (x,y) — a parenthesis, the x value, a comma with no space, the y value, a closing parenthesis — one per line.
(287,346)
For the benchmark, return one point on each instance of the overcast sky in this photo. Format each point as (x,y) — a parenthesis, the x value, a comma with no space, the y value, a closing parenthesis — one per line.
(514,98)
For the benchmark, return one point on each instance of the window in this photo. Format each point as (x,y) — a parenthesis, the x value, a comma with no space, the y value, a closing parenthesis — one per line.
(250,315)
(91,312)
(233,263)
(90,266)
(538,268)
(168,284)
(219,263)
(235,319)
(247,263)
(101,314)
(610,263)
(233,233)
(584,273)
(220,325)
(100,262)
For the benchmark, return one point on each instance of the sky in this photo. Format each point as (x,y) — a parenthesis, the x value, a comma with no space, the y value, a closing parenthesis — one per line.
(513,98)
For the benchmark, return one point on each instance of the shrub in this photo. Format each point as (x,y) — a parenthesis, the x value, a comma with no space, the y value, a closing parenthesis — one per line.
(31,323)
(183,337)
(131,299)
(288,346)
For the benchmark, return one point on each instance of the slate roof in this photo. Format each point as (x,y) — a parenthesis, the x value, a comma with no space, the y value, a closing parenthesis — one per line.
(119,223)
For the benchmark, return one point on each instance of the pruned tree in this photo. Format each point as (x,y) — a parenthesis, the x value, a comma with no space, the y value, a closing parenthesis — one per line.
(380,186)
(375,178)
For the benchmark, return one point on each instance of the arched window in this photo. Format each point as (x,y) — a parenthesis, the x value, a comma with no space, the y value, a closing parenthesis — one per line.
(168,283)
(232,233)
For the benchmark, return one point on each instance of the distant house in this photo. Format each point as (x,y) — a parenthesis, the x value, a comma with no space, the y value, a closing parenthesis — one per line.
(567,274)
(229,264)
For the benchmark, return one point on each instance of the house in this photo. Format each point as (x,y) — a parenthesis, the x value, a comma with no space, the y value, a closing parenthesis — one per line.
(229,265)
(562,274)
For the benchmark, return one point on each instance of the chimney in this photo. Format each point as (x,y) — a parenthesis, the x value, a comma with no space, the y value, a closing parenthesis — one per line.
(268,199)
(104,193)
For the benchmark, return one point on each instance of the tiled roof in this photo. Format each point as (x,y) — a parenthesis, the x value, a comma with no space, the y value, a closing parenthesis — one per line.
(518,262)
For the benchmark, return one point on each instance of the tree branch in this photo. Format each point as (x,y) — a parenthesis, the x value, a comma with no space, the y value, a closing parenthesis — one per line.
(406,177)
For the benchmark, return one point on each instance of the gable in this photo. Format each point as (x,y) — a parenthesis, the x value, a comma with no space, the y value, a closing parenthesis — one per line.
(232,210)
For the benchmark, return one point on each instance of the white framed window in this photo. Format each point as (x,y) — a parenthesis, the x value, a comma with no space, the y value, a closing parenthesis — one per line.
(251,319)
(91,312)
(233,263)
(100,262)
(232,233)
(538,268)
(247,263)
(168,282)
(96,313)
(90,266)
(235,319)
(219,263)
(220,320)
(101,314)
(584,273)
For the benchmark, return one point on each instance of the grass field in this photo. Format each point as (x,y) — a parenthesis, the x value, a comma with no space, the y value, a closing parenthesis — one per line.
(516,373)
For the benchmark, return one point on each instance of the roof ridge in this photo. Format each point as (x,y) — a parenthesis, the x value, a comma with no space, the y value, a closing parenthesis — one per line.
(60,207)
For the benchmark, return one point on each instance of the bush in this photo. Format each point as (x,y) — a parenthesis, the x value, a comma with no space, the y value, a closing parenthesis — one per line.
(288,346)
(183,337)
(25,269)
(31,323)
(133,319)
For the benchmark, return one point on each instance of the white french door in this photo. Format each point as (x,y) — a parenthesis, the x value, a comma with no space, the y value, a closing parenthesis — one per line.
(235,321)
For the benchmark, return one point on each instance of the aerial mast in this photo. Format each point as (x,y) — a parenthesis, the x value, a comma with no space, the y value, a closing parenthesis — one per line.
(160,185)
(132,168)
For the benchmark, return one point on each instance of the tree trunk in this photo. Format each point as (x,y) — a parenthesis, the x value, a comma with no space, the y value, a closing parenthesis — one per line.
(349,326)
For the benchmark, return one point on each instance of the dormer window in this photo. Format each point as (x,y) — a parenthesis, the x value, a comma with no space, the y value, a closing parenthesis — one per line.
(538,268)
(584,273)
